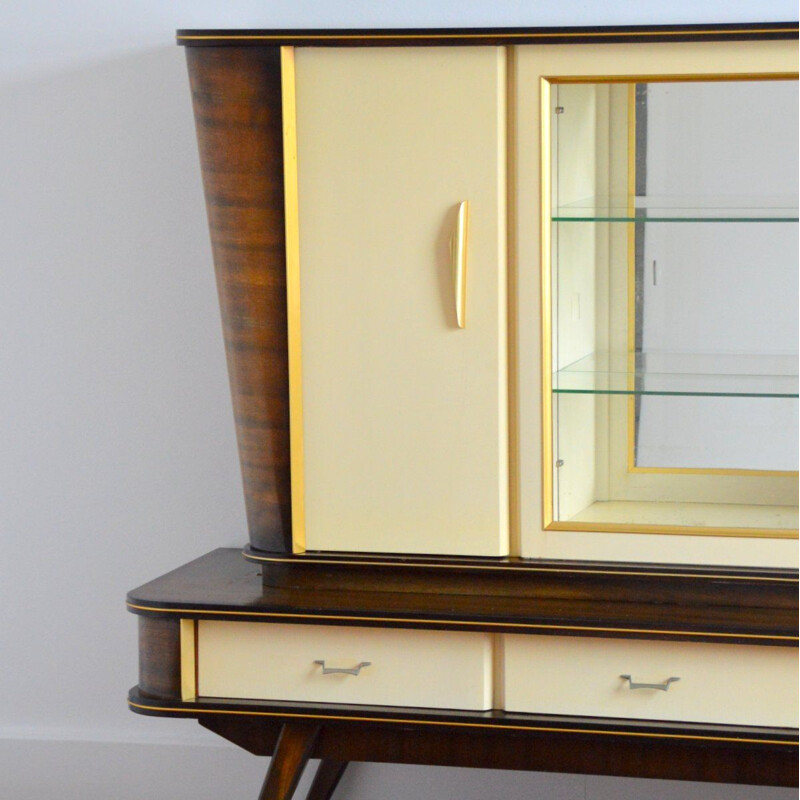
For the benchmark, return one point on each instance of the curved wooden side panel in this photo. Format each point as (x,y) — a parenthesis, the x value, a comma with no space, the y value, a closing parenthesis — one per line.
(160,657)
(236,93)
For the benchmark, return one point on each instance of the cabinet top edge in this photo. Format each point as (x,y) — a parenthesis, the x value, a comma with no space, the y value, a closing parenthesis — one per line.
(461,36)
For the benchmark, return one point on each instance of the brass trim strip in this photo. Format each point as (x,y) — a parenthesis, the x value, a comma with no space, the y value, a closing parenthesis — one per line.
(463,623)
(546,305)
(549,523)
(292,211)
(631,234)
(188,642)
(512,315)
(512,35)
(757,473)
(677,77)
(432,565)
(674,530)
(445,723)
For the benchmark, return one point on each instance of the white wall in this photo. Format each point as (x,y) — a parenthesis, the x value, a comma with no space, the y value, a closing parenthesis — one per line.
(117,454)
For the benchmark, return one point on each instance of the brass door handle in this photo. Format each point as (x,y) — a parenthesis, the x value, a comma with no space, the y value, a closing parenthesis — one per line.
(340,670)
(458,260)
(662,687)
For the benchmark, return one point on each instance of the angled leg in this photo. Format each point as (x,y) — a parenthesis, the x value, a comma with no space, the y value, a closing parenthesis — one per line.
(326,780)
(288,761)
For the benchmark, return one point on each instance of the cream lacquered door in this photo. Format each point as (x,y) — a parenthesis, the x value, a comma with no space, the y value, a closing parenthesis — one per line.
(404,413)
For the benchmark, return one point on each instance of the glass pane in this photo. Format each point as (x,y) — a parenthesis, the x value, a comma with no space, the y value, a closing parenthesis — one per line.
(698,374)
(673,208)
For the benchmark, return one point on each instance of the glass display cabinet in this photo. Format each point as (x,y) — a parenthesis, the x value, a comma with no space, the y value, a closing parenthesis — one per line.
(511,327)
(670,291)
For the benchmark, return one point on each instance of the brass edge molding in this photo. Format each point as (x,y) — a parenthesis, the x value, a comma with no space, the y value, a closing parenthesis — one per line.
(676,77)
(545,304)
(549,523)
(674,530)
(459,245)
(512,311)
(463,623)
(453,724)
(631,282)
(292,212)
(749,34)
(734,471)
(493,567)
(188,648)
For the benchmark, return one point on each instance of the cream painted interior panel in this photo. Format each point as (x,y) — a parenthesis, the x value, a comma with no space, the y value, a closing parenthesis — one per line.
(429,669)
(720,515)
(719,683)
(529,64)
(404,414)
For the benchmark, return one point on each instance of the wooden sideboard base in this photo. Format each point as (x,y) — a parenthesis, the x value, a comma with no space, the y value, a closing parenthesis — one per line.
(223,586)
(626,748)
(705,586)
(542,597)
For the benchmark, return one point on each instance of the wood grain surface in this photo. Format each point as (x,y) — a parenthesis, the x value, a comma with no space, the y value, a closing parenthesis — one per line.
(236,95)
(222,585)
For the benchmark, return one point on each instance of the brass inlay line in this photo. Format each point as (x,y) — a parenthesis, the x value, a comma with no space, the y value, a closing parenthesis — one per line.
(500,726)
(546,270)
(431,565)
(512,292)
(188,649)
(733,471)
(196,656)
(631,233)
(546,306)
(464,623)
(676,77)
(674,530)
(292,211)
(513,35)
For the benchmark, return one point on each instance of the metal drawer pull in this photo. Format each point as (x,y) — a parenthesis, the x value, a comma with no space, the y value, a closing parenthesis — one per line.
(662,687)
(342,671)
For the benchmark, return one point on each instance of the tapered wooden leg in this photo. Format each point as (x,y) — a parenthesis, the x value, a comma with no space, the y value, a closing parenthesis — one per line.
(329,773)
(288,761)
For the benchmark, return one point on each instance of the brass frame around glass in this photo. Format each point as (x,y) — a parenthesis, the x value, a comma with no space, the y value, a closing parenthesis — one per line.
(548,521)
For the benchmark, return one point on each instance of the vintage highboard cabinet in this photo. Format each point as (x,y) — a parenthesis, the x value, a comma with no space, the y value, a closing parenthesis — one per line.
(511,327)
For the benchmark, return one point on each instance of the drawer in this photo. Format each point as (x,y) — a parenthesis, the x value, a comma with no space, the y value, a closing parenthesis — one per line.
(266,661)
(731,684)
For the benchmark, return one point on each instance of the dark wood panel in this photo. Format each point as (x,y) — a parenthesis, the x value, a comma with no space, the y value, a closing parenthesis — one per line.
(355,37)
(326,779)
(236,95)
(737,758)
(497,720)
(160,657)
(291,755)
(223,584)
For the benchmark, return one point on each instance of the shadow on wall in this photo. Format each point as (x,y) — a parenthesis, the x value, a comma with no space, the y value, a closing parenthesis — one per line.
(117,453)
(108,312)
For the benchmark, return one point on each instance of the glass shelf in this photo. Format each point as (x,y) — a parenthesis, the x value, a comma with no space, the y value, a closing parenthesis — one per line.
(681,374)
(680,209)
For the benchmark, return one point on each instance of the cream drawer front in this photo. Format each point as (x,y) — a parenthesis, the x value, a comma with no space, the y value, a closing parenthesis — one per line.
(733,684)
(427,669)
